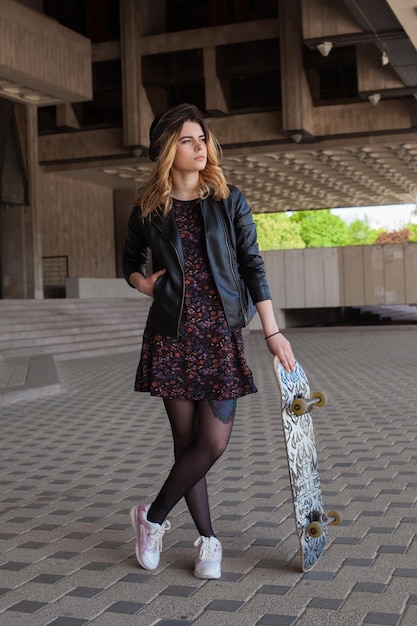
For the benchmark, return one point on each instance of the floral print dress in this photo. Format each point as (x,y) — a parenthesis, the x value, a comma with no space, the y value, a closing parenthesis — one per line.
(207,360)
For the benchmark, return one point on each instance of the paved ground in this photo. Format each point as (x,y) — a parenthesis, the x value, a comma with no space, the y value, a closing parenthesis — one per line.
(73,464)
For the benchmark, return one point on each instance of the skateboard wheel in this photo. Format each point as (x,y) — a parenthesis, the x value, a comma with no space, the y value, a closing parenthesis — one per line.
(299,406)
(321,396)
(315,529)
(335,517)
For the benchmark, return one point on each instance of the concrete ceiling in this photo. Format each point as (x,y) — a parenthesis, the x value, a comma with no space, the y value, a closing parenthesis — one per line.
(300,178)
(338,172)
(339,177)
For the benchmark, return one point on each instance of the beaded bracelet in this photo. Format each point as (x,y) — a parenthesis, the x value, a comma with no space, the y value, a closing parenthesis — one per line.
(273,335)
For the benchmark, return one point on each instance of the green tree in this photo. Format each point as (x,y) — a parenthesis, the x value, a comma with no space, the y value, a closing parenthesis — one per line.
(321,229)
(413,230)
(276,231)
(360,233)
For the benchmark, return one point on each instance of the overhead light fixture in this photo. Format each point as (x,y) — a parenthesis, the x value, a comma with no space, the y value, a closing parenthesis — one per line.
(32,97)
(384,58)
(297,137)
(325,48)
(12,88)
(374,98)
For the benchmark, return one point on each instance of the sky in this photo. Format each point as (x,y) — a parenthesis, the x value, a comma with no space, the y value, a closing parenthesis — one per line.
(392,217)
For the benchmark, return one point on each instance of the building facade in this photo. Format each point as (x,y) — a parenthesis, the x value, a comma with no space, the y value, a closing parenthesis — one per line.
(313,101)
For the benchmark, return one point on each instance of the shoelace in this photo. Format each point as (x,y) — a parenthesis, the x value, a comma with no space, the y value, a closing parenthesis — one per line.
(155,536)
(208,548)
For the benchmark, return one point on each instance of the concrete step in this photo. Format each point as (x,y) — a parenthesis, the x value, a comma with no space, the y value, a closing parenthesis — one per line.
(23,332)
(49,341)
(395,313)
(71,328)
(10,309)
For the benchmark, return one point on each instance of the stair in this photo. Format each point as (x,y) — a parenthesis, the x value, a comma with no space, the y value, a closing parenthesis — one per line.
(386,314)
(71,328)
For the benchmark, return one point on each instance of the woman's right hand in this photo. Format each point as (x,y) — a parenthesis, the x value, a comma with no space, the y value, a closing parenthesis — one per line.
(145,285)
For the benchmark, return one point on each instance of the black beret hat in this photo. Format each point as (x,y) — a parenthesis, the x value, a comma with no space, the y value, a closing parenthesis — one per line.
(174,117)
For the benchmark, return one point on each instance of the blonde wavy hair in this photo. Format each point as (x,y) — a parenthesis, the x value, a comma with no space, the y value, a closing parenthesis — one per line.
(164,134)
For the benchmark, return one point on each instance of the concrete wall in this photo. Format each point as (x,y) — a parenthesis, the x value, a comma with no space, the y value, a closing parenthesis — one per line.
(308,285)
(77,220)
(101,288)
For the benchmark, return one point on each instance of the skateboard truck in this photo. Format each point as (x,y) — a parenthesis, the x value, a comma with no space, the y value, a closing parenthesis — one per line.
(301,405)
(315,529)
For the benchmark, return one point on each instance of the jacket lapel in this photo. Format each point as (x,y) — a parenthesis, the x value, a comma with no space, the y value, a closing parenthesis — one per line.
(169,229)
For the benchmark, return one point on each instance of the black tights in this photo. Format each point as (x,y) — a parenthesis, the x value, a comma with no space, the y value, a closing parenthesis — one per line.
(201,432)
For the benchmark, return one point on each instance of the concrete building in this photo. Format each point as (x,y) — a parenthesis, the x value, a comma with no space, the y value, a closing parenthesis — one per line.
(314,102)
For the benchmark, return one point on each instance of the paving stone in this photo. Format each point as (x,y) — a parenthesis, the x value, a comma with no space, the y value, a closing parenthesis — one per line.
(367,587)
(224,605)
(331,604)
(277,620)
(27,606)
(68,621)
(78,460)
(129,608)
(172,622)
(382,619)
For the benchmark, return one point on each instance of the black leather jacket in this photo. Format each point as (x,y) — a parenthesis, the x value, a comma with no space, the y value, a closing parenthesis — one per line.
(233,253)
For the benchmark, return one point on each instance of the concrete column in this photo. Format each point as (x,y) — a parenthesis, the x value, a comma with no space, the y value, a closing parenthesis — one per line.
(12,278)
(297,105)
(20,236)
(215,100)
(33,236)
(66,118)
(136,18)
(20,268)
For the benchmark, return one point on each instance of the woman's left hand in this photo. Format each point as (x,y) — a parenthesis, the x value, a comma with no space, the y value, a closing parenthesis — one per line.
(279,346)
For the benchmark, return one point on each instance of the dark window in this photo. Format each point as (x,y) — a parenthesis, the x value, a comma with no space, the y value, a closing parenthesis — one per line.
(170,79)
(103,111)
(102,20)
(332,79)
(107,76)
(250,75)
(69,13)
(186,14)
(47,120)
(106,107)
(264,9)
(96,19)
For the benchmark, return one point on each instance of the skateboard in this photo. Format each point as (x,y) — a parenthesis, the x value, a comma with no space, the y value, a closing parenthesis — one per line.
(310,519)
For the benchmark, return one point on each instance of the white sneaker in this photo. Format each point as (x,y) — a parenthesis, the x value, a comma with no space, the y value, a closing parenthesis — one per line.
(148,536)
(208,563)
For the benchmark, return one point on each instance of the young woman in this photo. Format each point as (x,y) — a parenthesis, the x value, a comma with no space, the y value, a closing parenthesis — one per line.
(206,273)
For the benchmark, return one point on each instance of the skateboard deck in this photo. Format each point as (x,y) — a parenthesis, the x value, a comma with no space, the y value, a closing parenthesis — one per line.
(310,519)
